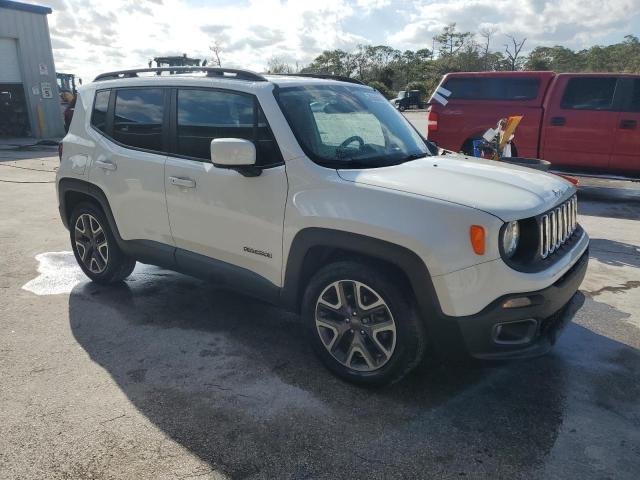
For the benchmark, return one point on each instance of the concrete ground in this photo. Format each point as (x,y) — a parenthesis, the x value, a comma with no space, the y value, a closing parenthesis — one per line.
(166,377)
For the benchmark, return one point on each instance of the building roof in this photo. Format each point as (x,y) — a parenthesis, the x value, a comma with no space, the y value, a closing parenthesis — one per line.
(25,7)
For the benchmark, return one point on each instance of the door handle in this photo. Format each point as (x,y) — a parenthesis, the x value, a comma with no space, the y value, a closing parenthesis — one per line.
(558,121)
(182,182)
(106,165)
(628,124)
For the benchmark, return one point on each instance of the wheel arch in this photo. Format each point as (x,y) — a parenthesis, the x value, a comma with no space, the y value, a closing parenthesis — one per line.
(314,247)
(72,191)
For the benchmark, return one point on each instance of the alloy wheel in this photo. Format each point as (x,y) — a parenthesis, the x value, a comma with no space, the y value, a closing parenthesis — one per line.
(91,243)
(355,325)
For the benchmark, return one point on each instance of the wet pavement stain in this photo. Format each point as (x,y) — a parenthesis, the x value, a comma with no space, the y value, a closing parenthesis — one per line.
(615,289)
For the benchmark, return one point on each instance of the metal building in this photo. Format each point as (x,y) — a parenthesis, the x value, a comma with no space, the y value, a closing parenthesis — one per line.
(29,101)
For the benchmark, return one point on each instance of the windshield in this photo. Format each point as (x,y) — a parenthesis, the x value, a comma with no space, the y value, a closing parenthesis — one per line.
(341,126)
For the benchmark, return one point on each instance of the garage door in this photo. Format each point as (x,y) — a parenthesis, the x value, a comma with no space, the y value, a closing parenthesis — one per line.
(10,71)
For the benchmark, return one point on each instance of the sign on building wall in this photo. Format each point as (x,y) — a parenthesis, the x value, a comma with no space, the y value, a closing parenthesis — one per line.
(44,70)
(45,88)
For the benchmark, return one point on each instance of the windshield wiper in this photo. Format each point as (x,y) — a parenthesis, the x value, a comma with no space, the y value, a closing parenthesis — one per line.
(415,156)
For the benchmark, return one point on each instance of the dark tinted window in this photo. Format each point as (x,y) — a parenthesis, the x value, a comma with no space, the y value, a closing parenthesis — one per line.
(480,88)
(634,105)
(595,93)
(207,114)
(100,106)
(138,117)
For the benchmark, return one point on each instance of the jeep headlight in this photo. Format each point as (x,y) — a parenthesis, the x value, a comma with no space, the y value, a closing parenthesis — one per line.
(510,238)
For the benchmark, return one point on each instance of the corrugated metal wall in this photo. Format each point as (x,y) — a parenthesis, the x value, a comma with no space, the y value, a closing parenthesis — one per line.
(31,31)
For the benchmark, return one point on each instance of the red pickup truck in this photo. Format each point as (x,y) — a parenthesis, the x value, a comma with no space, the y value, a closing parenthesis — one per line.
(577,121)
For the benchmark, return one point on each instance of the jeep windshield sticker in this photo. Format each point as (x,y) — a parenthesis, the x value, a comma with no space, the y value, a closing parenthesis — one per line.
(258,252)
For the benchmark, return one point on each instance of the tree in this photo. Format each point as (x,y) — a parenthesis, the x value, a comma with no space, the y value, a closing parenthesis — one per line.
(277,65)
(487,33)
(216,48)
(451,41)
(382,88)
(513,52)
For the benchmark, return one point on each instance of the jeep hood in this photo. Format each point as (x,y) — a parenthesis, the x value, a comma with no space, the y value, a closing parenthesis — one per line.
(509,192)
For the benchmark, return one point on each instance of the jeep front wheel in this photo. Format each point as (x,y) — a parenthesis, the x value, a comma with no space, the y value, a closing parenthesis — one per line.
(363,327)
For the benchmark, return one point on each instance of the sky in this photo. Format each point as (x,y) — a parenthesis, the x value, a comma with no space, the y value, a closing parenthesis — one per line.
(94,36)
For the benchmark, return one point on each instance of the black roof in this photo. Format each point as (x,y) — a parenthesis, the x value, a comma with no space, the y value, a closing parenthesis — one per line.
(25,7)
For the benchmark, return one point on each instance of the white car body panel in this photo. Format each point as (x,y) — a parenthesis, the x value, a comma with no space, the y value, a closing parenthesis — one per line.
(426,205)
(467,291)
(227,216)
(509,192)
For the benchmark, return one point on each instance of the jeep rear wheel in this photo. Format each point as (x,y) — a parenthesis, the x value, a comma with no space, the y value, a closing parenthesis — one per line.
(95,248)
(361,324)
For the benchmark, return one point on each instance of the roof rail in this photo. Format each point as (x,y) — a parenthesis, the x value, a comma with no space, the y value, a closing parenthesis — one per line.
(229,73)
(326,76)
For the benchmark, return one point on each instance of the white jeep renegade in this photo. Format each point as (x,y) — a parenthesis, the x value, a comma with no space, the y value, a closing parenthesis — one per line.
(316,194)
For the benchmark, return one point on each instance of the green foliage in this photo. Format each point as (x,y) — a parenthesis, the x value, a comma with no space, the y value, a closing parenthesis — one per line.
(382,88)
(416,85)
(390,70)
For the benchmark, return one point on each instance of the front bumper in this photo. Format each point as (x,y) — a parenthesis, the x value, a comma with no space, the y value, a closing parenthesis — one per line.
(501,333)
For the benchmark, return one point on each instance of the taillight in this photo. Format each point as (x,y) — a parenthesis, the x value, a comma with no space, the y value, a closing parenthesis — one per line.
(60,151)
(432,121)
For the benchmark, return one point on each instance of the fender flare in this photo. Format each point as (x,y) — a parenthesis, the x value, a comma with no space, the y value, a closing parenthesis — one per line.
(66,185)
(403,258)
(440,330)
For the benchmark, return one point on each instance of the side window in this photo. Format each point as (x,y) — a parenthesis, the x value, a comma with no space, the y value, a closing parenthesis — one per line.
(100,107)
(589,93)
(483,88)
(138,118)
(207,114)
(634,105)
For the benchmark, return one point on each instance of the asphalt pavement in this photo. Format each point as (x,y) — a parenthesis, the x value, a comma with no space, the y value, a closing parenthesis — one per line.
(167,377)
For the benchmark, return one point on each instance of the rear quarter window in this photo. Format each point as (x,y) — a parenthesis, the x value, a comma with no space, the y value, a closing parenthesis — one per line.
(482,88)
(100,107)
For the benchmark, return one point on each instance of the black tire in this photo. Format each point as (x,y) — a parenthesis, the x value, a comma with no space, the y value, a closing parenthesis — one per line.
(117,266)
(402,108)
(410,338)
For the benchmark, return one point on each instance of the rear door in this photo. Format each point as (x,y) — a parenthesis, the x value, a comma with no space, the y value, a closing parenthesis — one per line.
(626,148)
(128,162)
(216,212)
(580,121)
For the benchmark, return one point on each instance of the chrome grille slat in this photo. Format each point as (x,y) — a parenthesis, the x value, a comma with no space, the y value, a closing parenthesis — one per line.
(557,226)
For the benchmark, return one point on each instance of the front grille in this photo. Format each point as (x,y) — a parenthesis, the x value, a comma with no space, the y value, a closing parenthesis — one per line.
(557,226)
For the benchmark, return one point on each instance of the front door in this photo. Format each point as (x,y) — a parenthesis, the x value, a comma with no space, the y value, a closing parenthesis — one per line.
(626,148)
(219,213)
(579,126)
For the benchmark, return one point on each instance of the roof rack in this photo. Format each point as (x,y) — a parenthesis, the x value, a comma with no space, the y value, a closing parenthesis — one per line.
(229,73)
(326,76)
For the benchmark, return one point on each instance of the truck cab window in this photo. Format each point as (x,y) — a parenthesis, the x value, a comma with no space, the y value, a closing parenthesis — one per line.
(589,93)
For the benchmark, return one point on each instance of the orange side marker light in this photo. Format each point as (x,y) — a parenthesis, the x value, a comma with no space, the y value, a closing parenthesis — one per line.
(476,235)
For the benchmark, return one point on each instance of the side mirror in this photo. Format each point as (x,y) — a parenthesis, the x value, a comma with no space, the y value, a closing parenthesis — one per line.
(235,154)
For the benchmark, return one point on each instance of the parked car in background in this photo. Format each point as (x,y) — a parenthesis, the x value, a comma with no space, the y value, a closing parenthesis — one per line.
(408,99)
(577,121)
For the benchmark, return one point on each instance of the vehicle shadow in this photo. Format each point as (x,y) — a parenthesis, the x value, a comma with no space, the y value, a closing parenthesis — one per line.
(614,253)
(610,202)
(233,380)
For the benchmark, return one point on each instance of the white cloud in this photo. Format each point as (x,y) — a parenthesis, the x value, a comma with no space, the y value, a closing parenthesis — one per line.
(93,36)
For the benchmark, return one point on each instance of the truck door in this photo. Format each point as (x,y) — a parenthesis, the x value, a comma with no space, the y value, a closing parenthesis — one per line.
(579,122)
(626,147)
